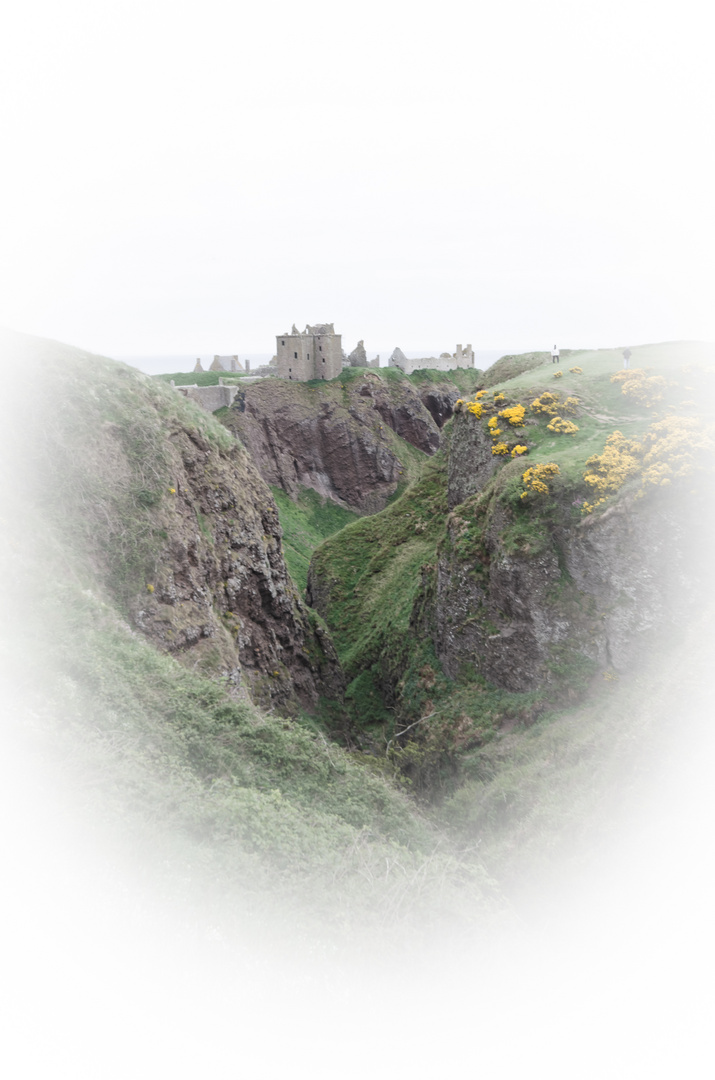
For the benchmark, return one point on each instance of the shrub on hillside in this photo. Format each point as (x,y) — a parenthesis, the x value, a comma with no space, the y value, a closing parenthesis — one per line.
(546,405)
(559,426)
(536,480)
(514,415)
(646,390)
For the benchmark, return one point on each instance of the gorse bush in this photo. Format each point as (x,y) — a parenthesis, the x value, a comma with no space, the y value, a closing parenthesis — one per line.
(609,471)
(559,426)
(546,405)
(644,389)
(514,415)
(671,449)
(536,480)
(674,448)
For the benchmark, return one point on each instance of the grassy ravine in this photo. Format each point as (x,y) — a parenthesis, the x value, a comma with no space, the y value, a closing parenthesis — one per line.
(205,787)
(375,577)
(306,522)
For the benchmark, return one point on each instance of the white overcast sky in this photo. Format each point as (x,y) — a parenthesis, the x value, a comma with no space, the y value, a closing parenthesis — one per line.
(194,177)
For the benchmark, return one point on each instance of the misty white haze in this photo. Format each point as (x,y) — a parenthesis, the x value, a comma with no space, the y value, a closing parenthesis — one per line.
(194,178)
(186,179)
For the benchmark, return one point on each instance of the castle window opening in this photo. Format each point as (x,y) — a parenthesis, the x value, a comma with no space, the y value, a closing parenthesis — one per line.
(295,354)
(282,342)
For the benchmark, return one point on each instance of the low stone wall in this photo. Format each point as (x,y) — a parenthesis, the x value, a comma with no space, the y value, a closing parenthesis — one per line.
(210,398)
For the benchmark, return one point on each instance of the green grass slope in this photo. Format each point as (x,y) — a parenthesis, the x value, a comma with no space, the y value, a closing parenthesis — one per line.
(306,522)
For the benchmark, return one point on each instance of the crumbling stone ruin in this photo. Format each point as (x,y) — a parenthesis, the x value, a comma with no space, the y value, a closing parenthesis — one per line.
(314,353)
(209,398)
(462,358)
(223,364)
(227,363)
(358,357)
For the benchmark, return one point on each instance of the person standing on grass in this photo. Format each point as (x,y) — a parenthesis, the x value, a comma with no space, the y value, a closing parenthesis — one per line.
(554,355)
(626,358)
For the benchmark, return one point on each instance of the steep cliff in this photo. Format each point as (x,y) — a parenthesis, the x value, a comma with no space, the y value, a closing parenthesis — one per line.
(172,516)
(351,439)
(526,590)
(523,593)
(476,601)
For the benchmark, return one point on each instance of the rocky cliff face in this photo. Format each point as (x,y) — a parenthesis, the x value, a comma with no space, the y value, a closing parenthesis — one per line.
(521,595)
(337,438)
(222,597)
(170,517)
(470,464)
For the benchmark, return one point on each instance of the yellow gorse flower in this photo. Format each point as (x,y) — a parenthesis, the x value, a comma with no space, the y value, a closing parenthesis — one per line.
(671,449)
(537,478)
(514,415)
(546,405)
(559,426)
(638,385)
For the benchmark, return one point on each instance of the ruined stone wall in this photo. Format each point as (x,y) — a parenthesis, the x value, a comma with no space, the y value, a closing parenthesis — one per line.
(210,398)
(461,358)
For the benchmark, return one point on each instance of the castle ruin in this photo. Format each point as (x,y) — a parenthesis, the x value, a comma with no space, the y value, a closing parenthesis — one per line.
(358,357)
(314,353)
(461,358)
(223,364)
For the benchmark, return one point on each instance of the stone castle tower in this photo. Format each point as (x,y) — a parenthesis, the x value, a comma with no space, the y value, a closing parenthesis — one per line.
(316,353)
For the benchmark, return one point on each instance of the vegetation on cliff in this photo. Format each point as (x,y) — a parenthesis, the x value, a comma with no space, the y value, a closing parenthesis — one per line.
(510,608)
